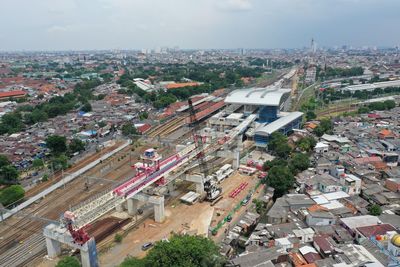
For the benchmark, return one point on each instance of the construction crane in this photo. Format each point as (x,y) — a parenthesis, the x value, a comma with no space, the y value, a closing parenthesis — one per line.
(210,188)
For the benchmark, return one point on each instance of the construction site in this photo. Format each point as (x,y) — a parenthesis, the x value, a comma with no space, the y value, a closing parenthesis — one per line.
(184,176)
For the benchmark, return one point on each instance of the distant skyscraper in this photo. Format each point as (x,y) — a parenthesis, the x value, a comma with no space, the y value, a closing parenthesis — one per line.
(313,47)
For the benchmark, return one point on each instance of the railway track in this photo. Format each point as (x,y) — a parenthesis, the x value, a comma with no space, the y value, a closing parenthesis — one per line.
(336,110)
(21,238)
(168,127)
(57,177)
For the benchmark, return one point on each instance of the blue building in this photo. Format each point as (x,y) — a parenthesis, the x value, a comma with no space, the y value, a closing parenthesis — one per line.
(286,123)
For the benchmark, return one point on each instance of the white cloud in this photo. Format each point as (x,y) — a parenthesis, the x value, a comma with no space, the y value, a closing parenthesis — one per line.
(234,5)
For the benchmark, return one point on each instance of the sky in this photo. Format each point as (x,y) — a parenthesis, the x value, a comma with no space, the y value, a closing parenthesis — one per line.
(203,24)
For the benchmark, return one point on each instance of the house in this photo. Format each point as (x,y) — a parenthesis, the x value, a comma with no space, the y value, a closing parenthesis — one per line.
(322,245)
(305,235)
(283,243)
(356,204)
(386,134)
(373,231)
(263,257)
(321,148)
(351,184)
(12,94)
(393,184)
(291,202)
(351,223)
(309,254)
(320,218)
(297,259)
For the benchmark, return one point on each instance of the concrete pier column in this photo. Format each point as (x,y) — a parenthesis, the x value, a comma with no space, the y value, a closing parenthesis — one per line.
(198,179)
(159,212)
(53,247)
(236,160)
(132,206)
(119,207)
(200,188)
(89,254)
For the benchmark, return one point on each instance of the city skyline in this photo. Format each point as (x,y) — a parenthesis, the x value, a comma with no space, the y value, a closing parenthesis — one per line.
(122,24)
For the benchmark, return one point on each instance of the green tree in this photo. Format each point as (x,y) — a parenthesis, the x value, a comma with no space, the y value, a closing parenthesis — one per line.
(260,207)
(375,210)
(128,129)
(363,110)
(143,115)
(283,150)
(57,144)
(181,251)
(86,107)
(11,123)
(37,163)
(101,124)
(76,145)
(118,238)
(8,175)
(389,104)
(4,161)
(133,262)
(276,139)
(60,162)
(310,115)
(68,261)
(11,194)
(306,144)
(36,116)
(280,178)
(325,126)
(275,162)
(299,163)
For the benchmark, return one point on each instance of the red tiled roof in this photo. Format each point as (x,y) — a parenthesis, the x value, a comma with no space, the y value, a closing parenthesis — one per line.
(297,259)
(374,116)
(380,229)
(180,85)
(144,128)
(12,93)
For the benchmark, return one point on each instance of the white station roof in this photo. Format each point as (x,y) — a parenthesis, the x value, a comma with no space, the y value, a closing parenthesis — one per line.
(257,96)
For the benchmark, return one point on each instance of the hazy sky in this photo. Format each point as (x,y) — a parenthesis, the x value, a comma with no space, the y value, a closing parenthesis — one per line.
(135,24)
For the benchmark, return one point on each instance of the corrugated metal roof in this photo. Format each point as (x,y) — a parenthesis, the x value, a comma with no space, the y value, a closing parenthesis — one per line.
(257,96)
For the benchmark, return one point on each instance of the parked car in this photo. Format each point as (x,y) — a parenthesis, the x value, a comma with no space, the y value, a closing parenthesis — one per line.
(245,201)
(147,245)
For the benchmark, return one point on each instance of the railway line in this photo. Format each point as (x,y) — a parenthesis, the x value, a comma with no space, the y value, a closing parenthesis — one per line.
(169,127)
(58,176)
(22,240)
(336,110)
